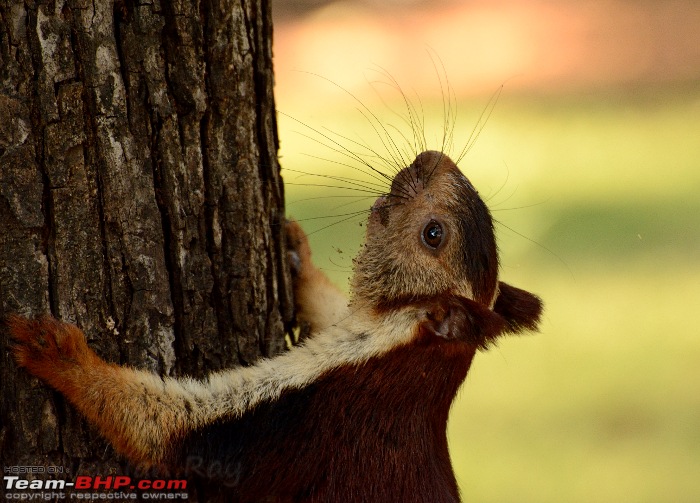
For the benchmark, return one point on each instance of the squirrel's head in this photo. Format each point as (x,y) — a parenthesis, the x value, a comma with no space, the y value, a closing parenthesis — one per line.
(429,235)
(433,236)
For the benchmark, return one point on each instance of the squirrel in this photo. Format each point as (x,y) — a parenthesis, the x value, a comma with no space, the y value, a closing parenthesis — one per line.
(358,410)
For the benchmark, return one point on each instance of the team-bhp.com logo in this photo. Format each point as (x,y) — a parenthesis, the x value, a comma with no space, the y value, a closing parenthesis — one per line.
(20,485)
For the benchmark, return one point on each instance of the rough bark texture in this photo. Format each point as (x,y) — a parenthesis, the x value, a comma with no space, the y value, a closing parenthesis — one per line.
(140,198)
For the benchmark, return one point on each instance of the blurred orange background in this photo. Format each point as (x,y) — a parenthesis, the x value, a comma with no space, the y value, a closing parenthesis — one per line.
(551,46)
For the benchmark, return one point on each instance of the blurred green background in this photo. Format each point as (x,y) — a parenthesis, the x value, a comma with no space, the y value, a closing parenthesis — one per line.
(595,190)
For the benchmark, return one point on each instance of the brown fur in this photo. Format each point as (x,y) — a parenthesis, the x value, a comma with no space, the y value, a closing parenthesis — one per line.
(310,285)
(58,354)
(117,400)
(394,264)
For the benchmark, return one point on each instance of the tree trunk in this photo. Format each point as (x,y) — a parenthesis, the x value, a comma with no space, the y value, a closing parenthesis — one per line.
(140,198)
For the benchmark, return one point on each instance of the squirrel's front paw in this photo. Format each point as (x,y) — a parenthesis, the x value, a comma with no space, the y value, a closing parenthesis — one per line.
(47,347)
(298,249)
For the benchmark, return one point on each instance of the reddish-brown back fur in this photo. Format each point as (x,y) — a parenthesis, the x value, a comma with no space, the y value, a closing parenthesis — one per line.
(365,432)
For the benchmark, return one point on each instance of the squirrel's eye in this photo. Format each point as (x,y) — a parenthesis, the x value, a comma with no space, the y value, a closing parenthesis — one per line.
(432,234)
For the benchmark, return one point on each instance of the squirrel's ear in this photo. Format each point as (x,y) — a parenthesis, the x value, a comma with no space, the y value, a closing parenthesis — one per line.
(521,310)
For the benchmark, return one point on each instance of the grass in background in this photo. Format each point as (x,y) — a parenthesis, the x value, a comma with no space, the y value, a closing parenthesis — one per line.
(598,200)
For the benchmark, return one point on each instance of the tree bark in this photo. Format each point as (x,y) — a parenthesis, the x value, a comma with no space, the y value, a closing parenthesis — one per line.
(140,198)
